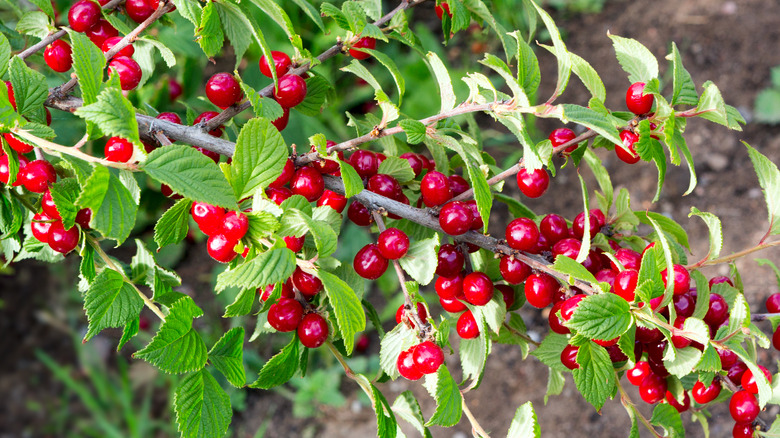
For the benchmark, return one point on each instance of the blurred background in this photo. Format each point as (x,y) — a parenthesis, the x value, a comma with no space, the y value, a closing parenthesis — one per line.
(56,386)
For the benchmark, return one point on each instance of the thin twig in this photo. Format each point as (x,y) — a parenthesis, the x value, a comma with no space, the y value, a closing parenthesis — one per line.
(734,256)
(521,335)
(626,401)
(23,200)
(476,428)
(72,151)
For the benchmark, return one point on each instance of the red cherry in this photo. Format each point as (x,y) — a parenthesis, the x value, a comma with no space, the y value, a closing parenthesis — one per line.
(407,366)
(563,135)
(223,90)
(458,185)
(41,224)
(281,122)
(369,262)
(428,357)
(718,312)
(522,234)
(705,394)
(421,313)
(384,185)
(287,290)
(553,228)
(285,315)
(174,89)
(681,278)
(554,320)
(720,279)
(169,117)
(652,389)
(48,206)
(282,63)
(743,430)
(17,145)
(83,15)
(235,225)
(365,163)
(100,32)
(308,183)
(743,407)
(513,270)
(362,343)
(533,184)
(684,305)
(128,50)
(440,9)
(414,161)
(625,284)
(287,173)
(118,150)
(291,91)
(359,214)
(680,406)
(606,342)
(749,381)
(62,240)
(647,335)
(205,117)
(452,305)
(37,176)
(208,217)
(637,102)
(393,243)
(333,200)
(449,287)
(83,217)
(455,218)
(569,357)
(578,226)
(313,330)
(58,56)
(220,248)
(363,43)
(435,189)
(638,373)
(736,371)
(606,276)
(295,244)
(140,10)
(569,306)
(466,326)
(773,303)
(539,290)
(629,258)
(308,284)
(449,261)
(507,294)
(477,288)
(128,70)
(627,151)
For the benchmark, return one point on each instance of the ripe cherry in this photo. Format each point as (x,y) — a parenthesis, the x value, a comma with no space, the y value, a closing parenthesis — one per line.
(48,206)
(477,288)
(627,151)
(466,326)
(749,381)
(407,366)
(359,214)
(681,278)
(681,406)
(37,176)
(62,240)
(369,262)
(652,389)
(208,217)
(743,407)
(705,394)
(428,357)
(507,294)
(308,284)
(333,200)
(539,290)
(58,56)
(118,150)
(513,270)
(773,303)
(736,371)
(128,70)
(554,320)
(553,228)
(308,183)
(684,305)
(415,162)
(458,184)
(16,144)
(140,10)
(384,185)
(743,430)
(638,373)
(533,184)
(174,89)
(83,15)
(569,306)
(625,284)
(629,258)
(295,244)
(421,313)
(83,217)
(128,50)
(563,135)
(235,225)
(569,357)
(393,243)
(449,261)
(578,225)
(282,63)
(223,90)
(637,102)
(291,91)
(441,8)
(365,163)
(522,234)
(449,287)
(221,249)
(40,225)
(287,173)
(205,117)
(720,279)
(718,312)
(285,315)
(363,43)
(435,189)
(313,330)
(452,305)
(455,218)
(100,32)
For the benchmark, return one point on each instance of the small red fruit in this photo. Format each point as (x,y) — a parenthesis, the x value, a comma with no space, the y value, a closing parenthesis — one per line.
(128,70)
(40,225)
(680,406)
(58,56)
(308,284)
(363,43)
(285,315)
(393,243)
(749,382)
(435,189)
(291,91)
(449,260)
(652,389)
(449,287)
(37,176)
(16,144)
(637,102)
(563,135)
(208,217)
(308,183)
(705,394)
(287,173)
(627,151)
(522,234)
(625,284)
(533,184)
(569,357)
(477,288)
(455,218)
(359,214)
(118,150)
(407,366)
(553,228)
(466,326)
(452,305)
(365,163)
(773,303)
(681,278)
(83,217)
(205,117)
(295,244)
(221,249)
(100,32)
(638,373)
(48,206)
(128,50)
(83,15)
(743,407)
(235,225)
(333,200)
(62,240)
(223,90)
(313,330)
(513,270)
(428,357)
(282,63)
(539,290)
(421,313)
(369,262)
(440,9)
(743,430)
(140,10)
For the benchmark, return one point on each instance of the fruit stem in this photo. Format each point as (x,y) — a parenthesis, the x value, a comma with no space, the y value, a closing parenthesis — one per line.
(521,335)
(734,256)
(23,200)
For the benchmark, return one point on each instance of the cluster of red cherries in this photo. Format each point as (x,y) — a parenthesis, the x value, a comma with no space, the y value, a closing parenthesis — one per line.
(423,358)
(287,313)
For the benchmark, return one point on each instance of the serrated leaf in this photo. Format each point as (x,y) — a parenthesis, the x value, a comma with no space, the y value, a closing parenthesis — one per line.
(589,77)
(685,359)
(710,361)
(595,378)
(407,407)
(591,119)
(227,356)
(280,368)
(110,302)
(716,231)
(113,206)
(398,168)
(259,157)
(711,105)
(528,74)
(311,12)
(64,193)
(560,51)
(650,149)
(524,423)
(442,75)
(769,180)
(173,225)
(317,90)
(666,224)
(482,194)
(113,114)
(767,106)
(45,6)
(398,339)
(350,317)
(30,90)
(684,89)
(270,267)
(602,177)
(296,223)
(353,184)
(209,33)
(191,174)
(636,59)
(569,266)
(449,402)
(34,23)
(415,262)
(5,54)
(236,27)
(549,351)
(202,406)
(500,67)
(415,131)
(603,316)
(129,332)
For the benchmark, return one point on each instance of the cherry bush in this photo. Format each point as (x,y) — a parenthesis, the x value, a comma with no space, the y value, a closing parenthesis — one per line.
(625,298)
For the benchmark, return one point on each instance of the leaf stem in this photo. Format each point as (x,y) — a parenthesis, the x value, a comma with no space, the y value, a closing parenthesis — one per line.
(734,256)
(476,428)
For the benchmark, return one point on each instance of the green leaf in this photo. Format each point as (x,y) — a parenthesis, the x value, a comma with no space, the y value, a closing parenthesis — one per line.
(113,206)
(595,378)
(500,67)
(636,59)
(524,424)
(389,64)
(407,407)
(317,90)
(227,356)
(591,119)
(769,180)
(259,157)
(113,114)
(602,176)
(5,54)
(353,184)
(350,317)
(110,302)
(202,406)
(415,261)
(716,231)
(398,168)
(34,23)
(767,106)
(710,361)
(684,89)
(45,6)
(473,355)
(685,359)
(479,9)
(280,368)
(64,193)
(449,402)
(191,174)
(399,339)
(311,12)
(173,224)
(603,316)
(268,268)
(589,77)
(242,305)
(649,149)
(549,352)
(296,223)
(569,266)
(209,34)
(129,332)
(237,28)
(561,53)
(711,105)
(482,194)
(177,348)
(415,131)
(666,224)
(528,74)
(443,79)
(667,417)
(30,90)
